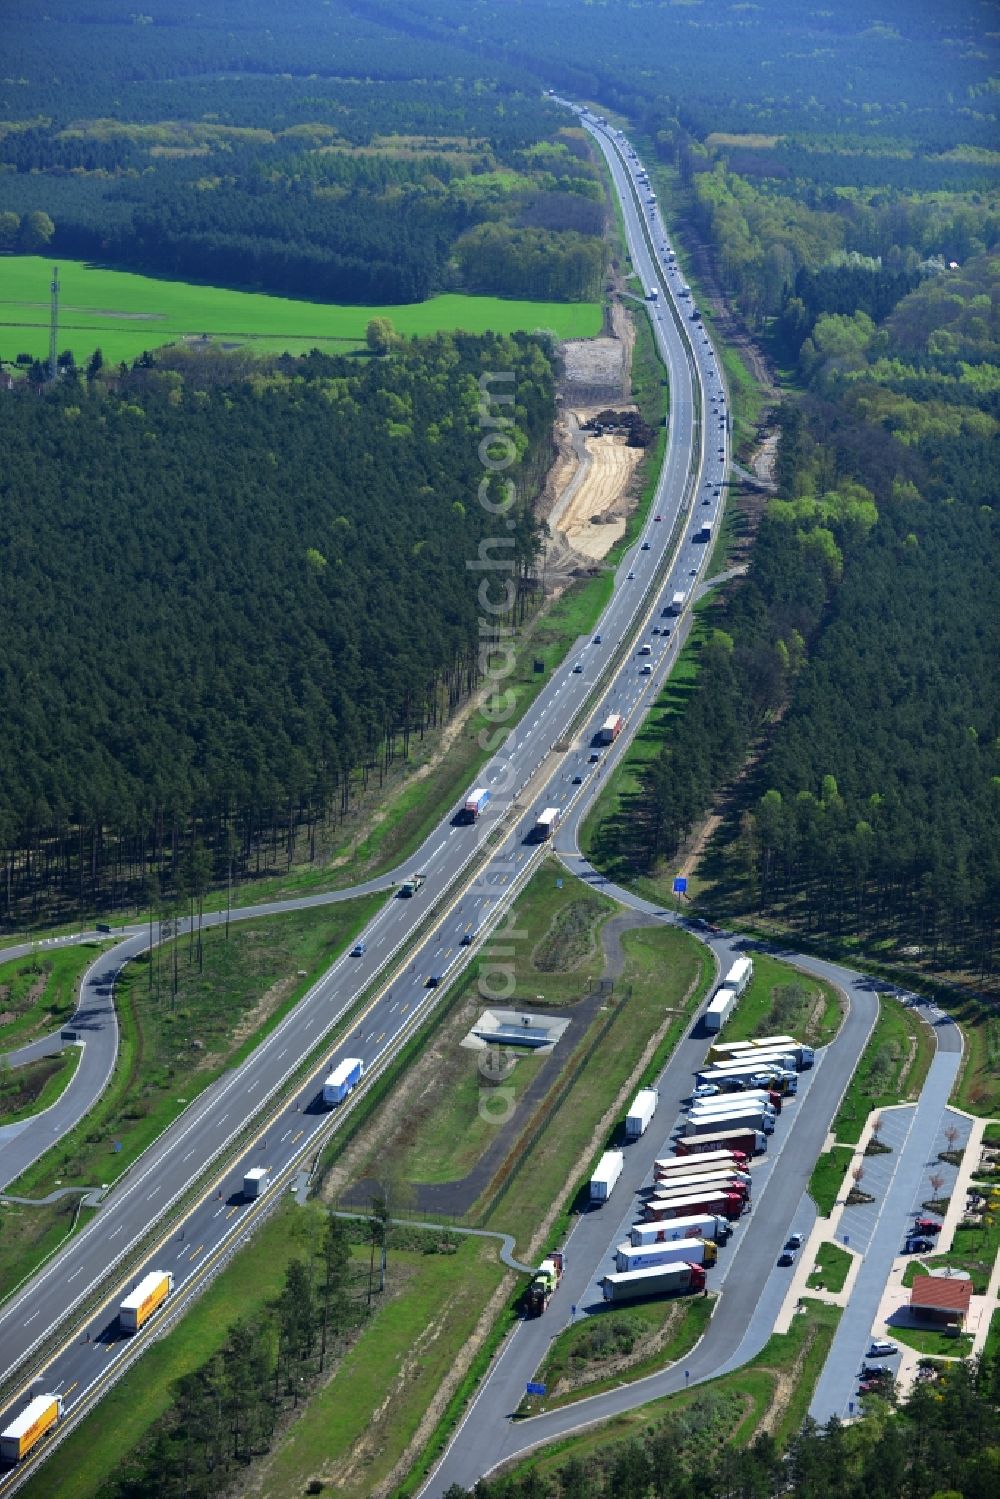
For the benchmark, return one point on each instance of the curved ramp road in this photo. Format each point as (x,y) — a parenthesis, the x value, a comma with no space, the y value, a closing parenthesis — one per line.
(472,875)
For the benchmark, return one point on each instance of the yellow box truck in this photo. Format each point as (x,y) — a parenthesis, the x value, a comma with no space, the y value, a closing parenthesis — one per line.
(151,1292)
(17,1439)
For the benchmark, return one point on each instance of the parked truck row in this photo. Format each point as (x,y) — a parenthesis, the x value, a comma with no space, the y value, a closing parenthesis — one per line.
(727,996)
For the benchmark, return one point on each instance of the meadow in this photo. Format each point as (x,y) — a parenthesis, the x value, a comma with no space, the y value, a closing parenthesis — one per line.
(124,314)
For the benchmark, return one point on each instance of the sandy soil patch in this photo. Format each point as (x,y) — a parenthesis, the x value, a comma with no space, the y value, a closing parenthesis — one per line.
(594,519)
(593,361)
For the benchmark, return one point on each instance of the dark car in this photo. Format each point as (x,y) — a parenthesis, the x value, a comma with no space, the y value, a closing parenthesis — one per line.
(917,1244)
(794,1241)
(578,780)
(880,1372)
(927,1226)
(786,1257)
(466,940)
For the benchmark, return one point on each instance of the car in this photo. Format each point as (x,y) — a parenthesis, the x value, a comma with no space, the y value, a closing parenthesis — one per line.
(578,780)
(927,1226)
(466,940)
(597,639)
(594,758)
(434,980)
(794,1241)
(647,671)
(707,500)
(705,1090)
(657,517)
(881,1348)
(876,1371)
(916,1244)
(577,669)
(630,577)
(644,547)
(656,630)
(359,949)
(786,1257)
(693,573)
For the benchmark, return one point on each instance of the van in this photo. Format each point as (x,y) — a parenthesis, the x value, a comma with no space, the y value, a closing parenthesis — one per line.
(881,1348)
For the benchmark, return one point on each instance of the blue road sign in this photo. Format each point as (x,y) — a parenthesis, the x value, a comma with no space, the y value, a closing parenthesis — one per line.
(559,884)
(535,1389)
(680,884)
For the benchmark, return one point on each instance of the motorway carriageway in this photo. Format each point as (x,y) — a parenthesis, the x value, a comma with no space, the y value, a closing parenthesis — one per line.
(82,1367)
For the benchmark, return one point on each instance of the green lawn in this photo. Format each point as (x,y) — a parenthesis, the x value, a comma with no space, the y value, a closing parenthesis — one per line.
(38,993)
(827,1179)
(777,1386)
(830,1270)
(579,1356)
(36,1086)
(931,1340)
(892,1068)
(170,1049)
(124,313)
(783,1001)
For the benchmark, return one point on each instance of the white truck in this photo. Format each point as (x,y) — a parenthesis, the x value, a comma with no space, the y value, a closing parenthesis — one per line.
(545,825)
(693,1251)
(739,975)
(344,1077)
(678,601)
(255,1183)
(642,1110)
(609,1169)
(669,1230)
(720,1008)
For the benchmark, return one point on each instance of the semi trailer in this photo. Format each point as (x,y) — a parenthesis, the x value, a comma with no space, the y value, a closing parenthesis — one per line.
(719,1009)
(672,1230)
(659,1280)
(722,1204)
(38,1416)
(755,1118)
(610,729)
(545,825)
(342,1080)
(750,1141)
(546,1279)
(609,1169)
(149,1295)
(643,1257)
(639,1115)
(668,1164)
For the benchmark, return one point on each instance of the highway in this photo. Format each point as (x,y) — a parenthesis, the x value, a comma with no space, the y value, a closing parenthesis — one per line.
(472,874)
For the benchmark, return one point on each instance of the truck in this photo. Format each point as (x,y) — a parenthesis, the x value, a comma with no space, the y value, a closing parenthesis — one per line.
(610,729)
(344,1077)
(723,1204)
(645,1256)
(805,1056)
(150,1294)
(705,1166)
(704,532)
(781,1056)
(475,804)
(411,884)
(670,1164)
(721,1006)
(255,1183)
(609,1169)
(750,1141)
(728,1051)
(769,1096)
(545,825)
(678,601)
(544,1282)
(659,1280)
(763,1072)
(740,974)
(653,295)
(716,1181)
(642,1110)
(669,1230)
(709,1124)
(18,1438)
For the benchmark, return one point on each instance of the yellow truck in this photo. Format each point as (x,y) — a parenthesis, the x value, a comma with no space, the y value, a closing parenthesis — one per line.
(17,1439)
(151,1292)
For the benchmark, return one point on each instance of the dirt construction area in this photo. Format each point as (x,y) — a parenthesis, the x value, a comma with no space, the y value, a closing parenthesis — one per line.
(591,514)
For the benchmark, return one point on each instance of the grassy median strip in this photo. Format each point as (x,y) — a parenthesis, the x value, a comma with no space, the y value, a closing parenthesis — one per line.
(827,1180)
(892,1068)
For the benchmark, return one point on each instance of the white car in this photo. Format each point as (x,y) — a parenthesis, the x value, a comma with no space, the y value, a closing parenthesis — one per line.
(706,1090)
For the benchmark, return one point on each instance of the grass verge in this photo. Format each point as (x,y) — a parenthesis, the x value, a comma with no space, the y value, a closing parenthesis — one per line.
(600,1353)
(892,1068)
(31,1089)
(775,1387)
(827,1179)
(830,1270)
(38,993)
(780,1000)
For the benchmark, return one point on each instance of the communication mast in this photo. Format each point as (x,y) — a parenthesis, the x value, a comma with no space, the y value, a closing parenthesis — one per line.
(53,322)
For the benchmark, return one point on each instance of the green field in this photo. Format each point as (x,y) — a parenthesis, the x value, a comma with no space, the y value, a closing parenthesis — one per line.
(124,313)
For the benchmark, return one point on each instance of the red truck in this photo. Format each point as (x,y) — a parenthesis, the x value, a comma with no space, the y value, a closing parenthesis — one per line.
(723,1204)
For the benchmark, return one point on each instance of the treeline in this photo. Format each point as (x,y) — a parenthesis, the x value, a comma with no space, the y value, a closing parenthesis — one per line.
(331,188)
(231,589)
(942,1439)
(225,1413)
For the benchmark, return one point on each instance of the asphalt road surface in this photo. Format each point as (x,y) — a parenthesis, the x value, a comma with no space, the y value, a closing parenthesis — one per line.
(525,775)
